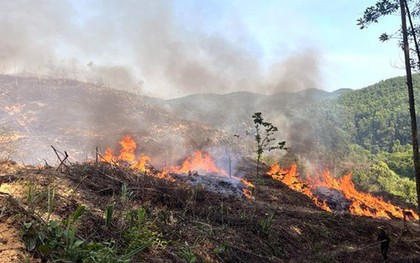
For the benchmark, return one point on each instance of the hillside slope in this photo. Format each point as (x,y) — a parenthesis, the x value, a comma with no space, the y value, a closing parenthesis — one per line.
(320,126)
(180,222)
(378,115)
(291,112)
(231,111)
(177,221)
(76,117)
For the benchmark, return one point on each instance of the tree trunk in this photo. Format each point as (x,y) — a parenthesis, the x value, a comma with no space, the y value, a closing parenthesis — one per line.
(258,165)
(414,132)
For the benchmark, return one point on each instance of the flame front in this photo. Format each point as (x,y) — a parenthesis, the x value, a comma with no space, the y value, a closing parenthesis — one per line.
(199,162)
(361,204)
(202,163)
(127,155)
(291,178)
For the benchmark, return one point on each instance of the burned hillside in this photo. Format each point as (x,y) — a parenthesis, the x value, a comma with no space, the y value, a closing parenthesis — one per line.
(277,225)
(78,117)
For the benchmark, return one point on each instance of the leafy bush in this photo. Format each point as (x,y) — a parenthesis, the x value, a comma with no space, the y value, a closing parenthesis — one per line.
(55,240)
(379,178)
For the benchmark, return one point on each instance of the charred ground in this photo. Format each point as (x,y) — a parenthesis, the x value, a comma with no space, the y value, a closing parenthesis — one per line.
(278,225)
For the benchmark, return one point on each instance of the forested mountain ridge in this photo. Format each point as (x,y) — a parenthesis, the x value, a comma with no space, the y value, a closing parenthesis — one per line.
(378,114)
(376,119)
(369,131)
(232,112)
(366,131)
(313,121)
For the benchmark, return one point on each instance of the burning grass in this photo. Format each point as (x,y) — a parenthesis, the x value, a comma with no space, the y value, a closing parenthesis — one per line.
(126,210)
(359,203)
(199,165)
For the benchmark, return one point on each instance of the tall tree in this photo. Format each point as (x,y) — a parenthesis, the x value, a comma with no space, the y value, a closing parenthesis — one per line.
(371,15)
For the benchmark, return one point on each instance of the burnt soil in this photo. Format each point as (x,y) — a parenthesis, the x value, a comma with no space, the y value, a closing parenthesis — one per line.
(276,225)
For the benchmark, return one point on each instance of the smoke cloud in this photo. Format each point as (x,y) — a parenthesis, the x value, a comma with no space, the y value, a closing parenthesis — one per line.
(155,47)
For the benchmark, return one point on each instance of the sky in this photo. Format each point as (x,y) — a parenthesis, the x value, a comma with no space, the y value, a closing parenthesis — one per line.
(174,48)
(349,57)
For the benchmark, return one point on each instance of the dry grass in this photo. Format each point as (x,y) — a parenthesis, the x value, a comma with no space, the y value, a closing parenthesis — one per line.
(278,226)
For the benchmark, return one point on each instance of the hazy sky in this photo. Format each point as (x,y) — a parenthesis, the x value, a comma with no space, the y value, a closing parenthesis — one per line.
(173,48)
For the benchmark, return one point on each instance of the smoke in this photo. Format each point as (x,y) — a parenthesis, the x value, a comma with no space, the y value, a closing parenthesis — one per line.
(30,32)
(155,46)
(297,72)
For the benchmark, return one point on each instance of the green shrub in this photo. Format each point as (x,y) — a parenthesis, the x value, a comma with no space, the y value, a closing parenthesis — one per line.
(187,254)
(141,235)
(57,241)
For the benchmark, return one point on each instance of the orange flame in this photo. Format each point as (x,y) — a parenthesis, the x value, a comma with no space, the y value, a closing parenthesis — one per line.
(202,163)
(291,178)
(362,204)
(127,155)
(199,162)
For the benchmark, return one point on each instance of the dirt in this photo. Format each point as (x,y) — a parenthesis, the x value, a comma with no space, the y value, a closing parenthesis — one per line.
(11,247)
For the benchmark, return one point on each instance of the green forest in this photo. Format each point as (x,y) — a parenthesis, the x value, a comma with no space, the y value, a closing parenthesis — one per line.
(369,130)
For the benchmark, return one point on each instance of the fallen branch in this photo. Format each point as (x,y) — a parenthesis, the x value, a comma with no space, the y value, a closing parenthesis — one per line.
(249,252)
(59,158)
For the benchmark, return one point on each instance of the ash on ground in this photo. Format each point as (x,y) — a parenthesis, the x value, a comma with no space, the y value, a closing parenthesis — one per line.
(334,198)
(214,182)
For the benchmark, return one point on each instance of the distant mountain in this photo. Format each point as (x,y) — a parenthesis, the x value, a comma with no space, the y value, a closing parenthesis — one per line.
(320,126)
(341,91)
(291,112)
(76,117)
(232,112)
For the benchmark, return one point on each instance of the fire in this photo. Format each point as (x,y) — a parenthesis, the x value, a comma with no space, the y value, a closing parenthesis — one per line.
(361,204)
(199,162)
(366,204)
(291,178)
(127,155)
(202,163)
